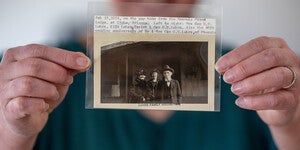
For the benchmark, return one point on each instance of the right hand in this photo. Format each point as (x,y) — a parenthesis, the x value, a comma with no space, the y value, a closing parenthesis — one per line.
(34,79)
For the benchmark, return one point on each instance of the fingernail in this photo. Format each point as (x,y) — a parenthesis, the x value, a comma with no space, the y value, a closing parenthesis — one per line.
(240,102)
(221,66)
(237,88)
(70,80)
(83,62)
(46,106)
(57,96)
(228,77)
(217,67)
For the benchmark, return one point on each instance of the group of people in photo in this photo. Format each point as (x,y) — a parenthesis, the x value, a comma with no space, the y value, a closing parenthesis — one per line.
(165,90)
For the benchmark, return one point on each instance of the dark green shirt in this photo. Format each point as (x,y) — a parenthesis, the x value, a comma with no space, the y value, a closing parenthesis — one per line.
(72,127)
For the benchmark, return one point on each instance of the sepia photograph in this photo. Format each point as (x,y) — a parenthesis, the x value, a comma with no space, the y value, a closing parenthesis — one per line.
(154,72)
(144,64)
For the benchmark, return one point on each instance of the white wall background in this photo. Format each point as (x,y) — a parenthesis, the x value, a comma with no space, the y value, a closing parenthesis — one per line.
(43,21)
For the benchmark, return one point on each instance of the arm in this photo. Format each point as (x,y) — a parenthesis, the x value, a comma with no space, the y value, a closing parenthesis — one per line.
(258,72)
(34,79)
(179,93)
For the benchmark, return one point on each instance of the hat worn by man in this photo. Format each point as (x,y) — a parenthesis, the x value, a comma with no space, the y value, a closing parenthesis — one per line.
(168,68)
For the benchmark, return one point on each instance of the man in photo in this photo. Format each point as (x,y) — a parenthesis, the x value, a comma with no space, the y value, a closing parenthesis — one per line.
(170,88)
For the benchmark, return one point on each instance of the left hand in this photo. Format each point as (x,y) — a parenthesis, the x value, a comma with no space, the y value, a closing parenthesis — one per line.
(258,72)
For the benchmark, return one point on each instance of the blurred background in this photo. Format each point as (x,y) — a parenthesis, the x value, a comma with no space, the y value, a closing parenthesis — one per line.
(49,22)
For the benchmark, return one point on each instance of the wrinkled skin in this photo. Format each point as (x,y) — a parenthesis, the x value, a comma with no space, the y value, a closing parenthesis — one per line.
(34,80)
(257,72)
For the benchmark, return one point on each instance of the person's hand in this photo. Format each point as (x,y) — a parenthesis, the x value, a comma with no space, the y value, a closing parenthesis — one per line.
(261,73)
(33,80)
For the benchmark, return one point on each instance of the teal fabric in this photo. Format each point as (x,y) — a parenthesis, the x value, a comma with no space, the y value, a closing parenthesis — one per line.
(72,127)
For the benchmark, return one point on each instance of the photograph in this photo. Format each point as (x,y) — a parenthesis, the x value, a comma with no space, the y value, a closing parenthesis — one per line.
(153,67)
(154,72)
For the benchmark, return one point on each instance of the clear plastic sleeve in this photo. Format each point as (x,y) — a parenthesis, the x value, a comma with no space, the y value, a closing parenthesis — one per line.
(154,56)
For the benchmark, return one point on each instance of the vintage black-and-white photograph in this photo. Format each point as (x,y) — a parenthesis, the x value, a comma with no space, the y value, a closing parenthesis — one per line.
(158,72)
(161,63)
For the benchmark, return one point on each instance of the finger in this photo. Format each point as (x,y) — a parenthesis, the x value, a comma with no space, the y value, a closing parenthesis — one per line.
(38,68)
(257,63)
(20,107)
(30,87)
(261,83)
(72,60)
(245,51)
(279,100)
